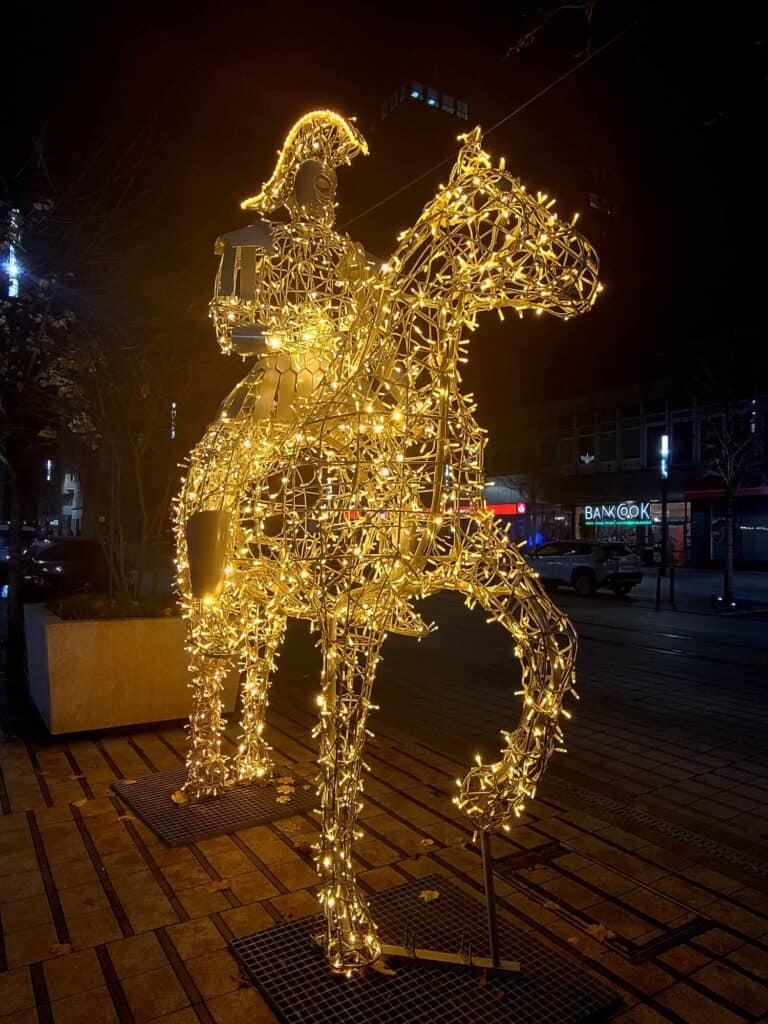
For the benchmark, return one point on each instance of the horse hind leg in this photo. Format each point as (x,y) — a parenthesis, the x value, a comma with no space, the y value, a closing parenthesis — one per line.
(259,654)
(349,667)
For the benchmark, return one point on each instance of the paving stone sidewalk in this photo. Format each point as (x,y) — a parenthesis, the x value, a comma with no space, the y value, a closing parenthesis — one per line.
(624,865)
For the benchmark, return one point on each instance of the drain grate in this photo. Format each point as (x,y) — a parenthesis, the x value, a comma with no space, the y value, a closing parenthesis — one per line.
(293,975)
(531,858)
(718,851)
(240,807)
(509,867)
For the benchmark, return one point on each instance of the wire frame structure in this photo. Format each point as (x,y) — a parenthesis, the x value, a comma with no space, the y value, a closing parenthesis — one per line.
(342,481)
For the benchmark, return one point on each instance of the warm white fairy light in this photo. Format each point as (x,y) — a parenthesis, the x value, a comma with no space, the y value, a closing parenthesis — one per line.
(348,469)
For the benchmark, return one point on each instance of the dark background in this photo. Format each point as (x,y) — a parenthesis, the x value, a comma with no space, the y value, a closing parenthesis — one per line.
(150,125)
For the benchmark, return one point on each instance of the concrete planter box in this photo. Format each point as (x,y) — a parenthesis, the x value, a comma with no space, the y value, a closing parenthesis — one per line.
(100,673)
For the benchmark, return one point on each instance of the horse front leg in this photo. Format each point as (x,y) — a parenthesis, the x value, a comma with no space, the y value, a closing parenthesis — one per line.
(350,657)
(259,654)
(503,584)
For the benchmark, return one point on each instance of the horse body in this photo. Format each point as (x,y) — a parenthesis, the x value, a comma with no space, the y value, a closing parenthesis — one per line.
(347,472)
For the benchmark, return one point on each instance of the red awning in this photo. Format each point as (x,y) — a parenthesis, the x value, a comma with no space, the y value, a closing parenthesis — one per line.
(743,492)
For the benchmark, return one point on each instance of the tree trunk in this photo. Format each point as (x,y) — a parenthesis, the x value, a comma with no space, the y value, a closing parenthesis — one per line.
(728,567)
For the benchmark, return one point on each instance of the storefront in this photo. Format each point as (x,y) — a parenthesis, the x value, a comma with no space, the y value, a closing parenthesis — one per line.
(637,524)
(750,528)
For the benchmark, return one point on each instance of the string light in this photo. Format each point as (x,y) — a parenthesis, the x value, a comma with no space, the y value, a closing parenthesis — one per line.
(346,472)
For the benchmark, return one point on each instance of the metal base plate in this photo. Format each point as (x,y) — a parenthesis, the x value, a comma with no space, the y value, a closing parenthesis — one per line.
(239,807)
(293,976)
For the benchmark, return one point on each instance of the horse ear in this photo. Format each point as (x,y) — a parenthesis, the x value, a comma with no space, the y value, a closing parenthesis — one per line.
(469,152)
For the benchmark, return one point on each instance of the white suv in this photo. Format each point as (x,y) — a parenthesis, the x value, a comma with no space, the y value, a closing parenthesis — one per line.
(587,565)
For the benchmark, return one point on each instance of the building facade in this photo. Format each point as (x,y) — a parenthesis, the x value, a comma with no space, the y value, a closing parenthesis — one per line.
(591,467)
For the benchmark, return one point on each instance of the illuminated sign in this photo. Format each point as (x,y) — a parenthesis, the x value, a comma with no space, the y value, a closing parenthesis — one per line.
(502,508)
(626,513)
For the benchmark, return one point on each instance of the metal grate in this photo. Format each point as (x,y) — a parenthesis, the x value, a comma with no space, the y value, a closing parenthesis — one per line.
(240,807)
(293,976)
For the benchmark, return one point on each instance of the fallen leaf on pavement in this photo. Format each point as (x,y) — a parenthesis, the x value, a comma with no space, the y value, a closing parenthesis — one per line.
(219,885)
(127,817)
(427,842)
(80,803)
(600,932)
(128,782)
(60,948)
(76,777)
(286,780)
(283,799)
(179,797)
(428,895)
(285,789)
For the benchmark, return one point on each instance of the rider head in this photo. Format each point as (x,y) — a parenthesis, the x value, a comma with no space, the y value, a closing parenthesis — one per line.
(300,282)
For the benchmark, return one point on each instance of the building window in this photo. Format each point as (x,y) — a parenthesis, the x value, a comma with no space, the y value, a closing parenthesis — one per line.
(631,444)
(608,446)
(417,91)
(448,104)
(433,98)
(682,442)
(587,449)
(462,110)
(566,453)
(653,444)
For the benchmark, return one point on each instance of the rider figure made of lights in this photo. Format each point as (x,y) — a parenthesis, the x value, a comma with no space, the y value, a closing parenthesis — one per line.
(343,478)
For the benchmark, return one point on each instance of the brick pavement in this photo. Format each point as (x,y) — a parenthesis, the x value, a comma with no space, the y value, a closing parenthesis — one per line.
(100,922)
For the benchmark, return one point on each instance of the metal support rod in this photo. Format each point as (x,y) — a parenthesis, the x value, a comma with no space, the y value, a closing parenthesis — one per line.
(490,898)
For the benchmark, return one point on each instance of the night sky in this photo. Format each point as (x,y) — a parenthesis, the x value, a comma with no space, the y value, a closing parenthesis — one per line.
(152,124)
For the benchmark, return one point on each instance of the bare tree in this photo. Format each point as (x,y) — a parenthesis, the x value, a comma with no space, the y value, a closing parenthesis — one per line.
(730,454)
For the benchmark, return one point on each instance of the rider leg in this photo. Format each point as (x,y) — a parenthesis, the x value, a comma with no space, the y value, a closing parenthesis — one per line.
(350,656)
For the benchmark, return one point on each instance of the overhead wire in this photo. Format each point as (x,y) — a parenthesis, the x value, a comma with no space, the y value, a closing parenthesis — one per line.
(507,117)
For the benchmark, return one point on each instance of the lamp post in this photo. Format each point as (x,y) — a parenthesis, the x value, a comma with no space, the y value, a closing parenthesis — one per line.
(664,472)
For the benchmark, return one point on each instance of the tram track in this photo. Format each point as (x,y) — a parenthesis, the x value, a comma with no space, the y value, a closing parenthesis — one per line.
(673,652)
(695,637)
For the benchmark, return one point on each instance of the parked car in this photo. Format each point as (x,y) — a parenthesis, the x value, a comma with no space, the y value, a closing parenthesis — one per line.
(587,565)
(64,565)
(28,536)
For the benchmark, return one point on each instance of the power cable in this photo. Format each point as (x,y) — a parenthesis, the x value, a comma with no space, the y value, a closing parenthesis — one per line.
(507,117)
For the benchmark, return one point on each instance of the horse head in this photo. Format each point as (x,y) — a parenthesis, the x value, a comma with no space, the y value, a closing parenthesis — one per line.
(484,242)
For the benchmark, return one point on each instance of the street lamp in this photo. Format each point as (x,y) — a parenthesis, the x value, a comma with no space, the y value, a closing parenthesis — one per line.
(664,473)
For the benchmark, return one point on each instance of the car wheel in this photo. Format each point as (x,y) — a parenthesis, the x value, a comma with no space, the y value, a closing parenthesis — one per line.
(584,582)
(621,589)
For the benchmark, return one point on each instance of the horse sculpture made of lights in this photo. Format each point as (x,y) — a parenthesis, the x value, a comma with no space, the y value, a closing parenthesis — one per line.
(343,479)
